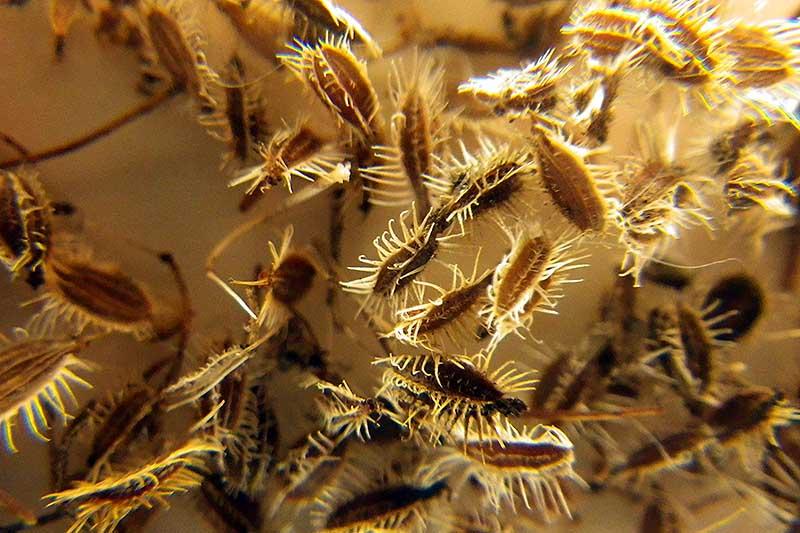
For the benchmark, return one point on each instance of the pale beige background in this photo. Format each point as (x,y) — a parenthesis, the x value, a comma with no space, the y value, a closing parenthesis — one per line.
(157,180)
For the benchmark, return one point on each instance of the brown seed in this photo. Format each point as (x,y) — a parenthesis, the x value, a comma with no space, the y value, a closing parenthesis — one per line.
(449,315)
(386,507)
(530,90)
(550,380)
(762,55)
(417,137)
(661,517)
(118,422)
(677,449)
(754,413)
(691,28)
(415,140)
(494,179)
(334,20)
(727,147)
(309,468)
(753,182)
(402,256)
(741,298)
(607,33)
(341,82)
(178,51)
(236,110)
(697,347)
(295,152)
(236,511)
(83,292)
(25,225)
(33,372)
(263,25)
(214,370)
(521,273)
(516,463)
(570,182)
(105,503)
(252,445)
(443,392)
(345,413)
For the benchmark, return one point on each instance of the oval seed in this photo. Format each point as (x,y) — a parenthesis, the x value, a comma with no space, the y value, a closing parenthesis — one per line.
(570,182)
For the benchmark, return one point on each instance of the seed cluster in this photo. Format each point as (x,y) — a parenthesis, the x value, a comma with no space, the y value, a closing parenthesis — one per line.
(635,130)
